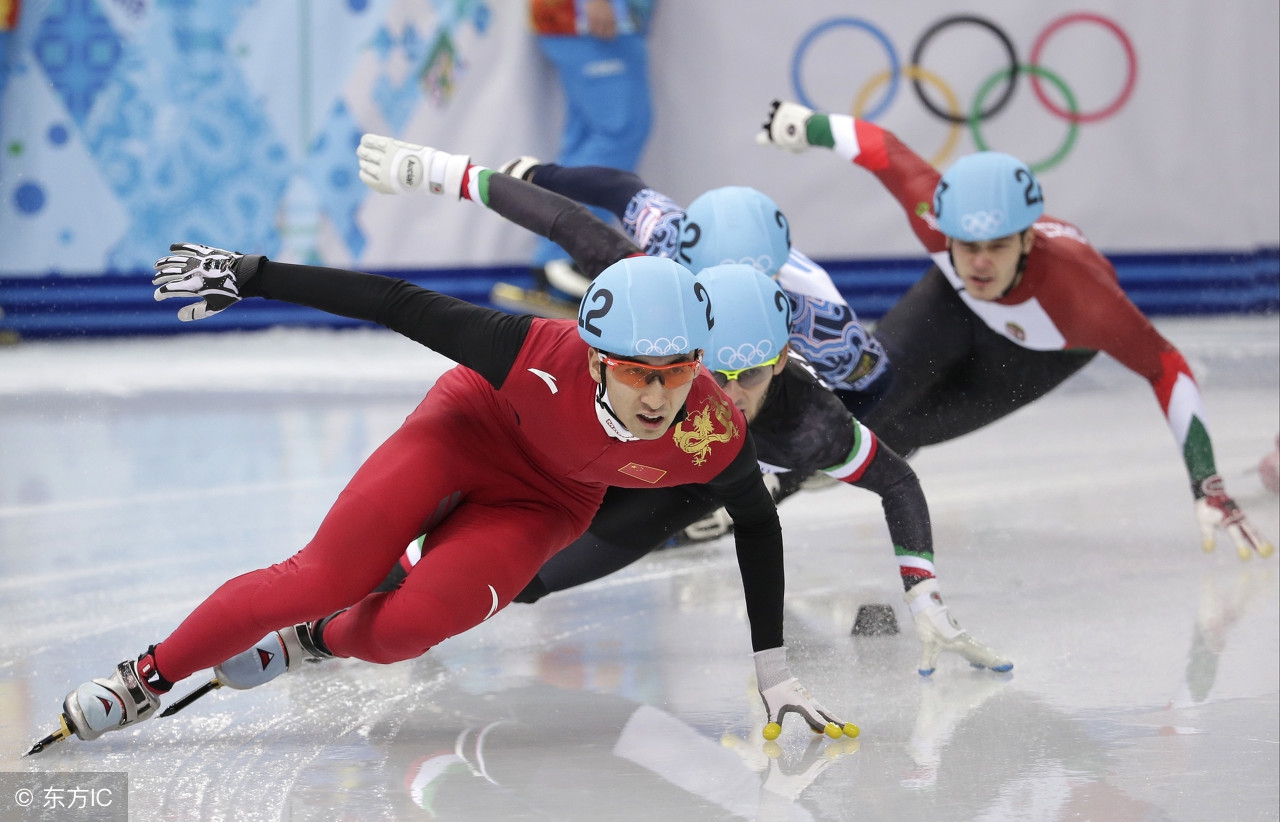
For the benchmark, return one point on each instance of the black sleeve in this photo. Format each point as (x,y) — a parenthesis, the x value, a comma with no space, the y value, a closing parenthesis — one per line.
(802,426)
(482,339)
(629,524)
(601,186)
(906,511)
(642,519)
(757,535)
(593,244)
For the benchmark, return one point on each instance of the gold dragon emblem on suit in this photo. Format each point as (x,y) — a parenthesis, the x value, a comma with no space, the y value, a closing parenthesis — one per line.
(698,432)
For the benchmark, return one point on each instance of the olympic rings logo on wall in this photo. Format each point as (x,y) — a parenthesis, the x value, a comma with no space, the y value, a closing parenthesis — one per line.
(985,103)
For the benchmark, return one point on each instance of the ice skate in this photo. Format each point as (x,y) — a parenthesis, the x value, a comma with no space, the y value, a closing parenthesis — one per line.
(534,301)
(713,526)
(102,705)
(939,631)
(718,523)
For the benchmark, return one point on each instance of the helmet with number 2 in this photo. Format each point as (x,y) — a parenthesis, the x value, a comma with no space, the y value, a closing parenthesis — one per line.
(753,317)
(645,306)
(734,224)
(987,195)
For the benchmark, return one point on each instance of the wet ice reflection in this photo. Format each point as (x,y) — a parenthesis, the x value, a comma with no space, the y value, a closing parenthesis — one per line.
(1146,672)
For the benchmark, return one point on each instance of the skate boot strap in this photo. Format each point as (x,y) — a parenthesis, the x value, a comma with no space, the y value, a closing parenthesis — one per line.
(309,637)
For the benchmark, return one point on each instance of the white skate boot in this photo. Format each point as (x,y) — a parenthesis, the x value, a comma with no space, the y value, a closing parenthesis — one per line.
(939,631)
(274,654)
(102,705)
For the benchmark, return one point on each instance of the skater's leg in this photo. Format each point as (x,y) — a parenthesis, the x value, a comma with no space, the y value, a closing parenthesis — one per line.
(415,477)
(926,335)
(472,566)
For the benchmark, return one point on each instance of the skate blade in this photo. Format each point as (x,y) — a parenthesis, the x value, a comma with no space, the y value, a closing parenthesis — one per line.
(57,736)
(530,301)
(212,685)
(562,275)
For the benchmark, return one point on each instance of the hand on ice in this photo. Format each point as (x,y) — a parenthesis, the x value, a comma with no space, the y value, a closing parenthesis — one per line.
(939,631)
(783,694)
(1216,510)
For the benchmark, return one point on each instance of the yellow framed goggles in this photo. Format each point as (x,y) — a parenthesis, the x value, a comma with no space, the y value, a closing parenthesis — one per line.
(747,377)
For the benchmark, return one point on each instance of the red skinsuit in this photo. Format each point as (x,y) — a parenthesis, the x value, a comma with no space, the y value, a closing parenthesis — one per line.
(502,478)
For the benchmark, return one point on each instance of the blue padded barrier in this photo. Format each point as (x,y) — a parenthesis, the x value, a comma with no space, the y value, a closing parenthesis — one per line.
(112,305)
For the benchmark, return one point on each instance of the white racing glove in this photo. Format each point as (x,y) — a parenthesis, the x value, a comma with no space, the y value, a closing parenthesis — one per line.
(786,126)
(213,275)
(939,631)
(394,167)
(1217,510)
(783,694)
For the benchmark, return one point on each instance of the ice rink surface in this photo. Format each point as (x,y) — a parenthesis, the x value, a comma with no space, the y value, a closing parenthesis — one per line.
(137,475)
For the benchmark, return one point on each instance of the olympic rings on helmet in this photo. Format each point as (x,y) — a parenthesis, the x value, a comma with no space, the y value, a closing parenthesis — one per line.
(975,113)
(661,347)
(748,355)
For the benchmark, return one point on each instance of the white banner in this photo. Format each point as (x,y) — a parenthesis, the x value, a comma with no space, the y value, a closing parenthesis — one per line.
(127,126)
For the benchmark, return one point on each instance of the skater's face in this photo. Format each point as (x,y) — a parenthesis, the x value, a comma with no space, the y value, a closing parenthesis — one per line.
(646,393)
(749,388)
(989,268)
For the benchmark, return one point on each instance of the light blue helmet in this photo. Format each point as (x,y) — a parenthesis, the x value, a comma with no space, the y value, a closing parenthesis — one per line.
(987,195)
(645,306)
(734,224)
(753,317)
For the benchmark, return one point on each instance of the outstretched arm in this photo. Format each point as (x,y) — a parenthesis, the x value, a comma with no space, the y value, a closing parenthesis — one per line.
(1179,398)
(757,537)
(650,218)
(1094,312)
(483,339)
(600,186)
(906,175)
(593,244)
(907,515)
(396,167)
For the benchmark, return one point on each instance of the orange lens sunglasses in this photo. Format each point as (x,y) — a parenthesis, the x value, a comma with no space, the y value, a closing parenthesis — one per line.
(637,375)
